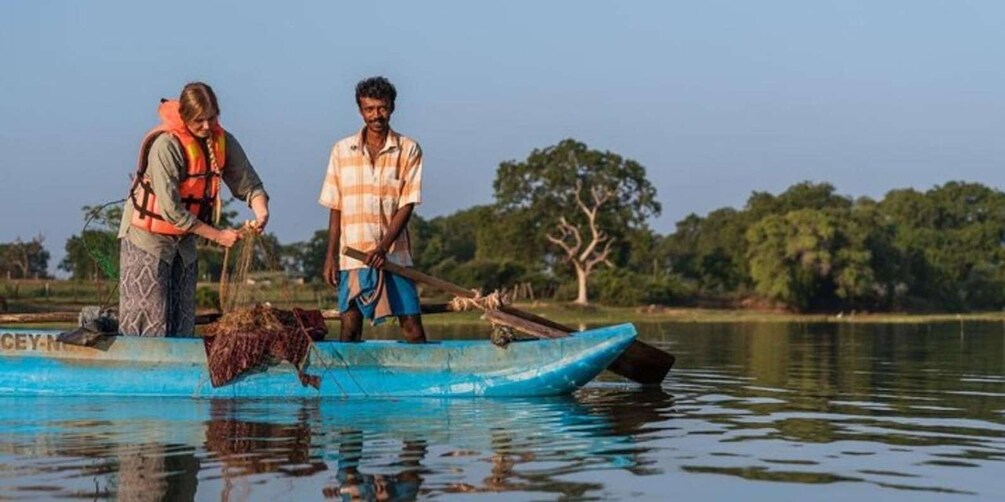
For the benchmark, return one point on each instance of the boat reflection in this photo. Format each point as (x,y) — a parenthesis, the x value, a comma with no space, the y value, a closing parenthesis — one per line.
(345,449)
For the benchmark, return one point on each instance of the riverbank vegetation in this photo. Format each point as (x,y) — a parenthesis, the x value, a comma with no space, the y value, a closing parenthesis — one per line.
(569,225)
(39,296)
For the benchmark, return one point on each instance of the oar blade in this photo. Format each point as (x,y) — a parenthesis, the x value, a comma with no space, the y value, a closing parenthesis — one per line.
(643,363)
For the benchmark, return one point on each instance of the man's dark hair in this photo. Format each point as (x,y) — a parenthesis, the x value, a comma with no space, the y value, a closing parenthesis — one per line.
(376,88)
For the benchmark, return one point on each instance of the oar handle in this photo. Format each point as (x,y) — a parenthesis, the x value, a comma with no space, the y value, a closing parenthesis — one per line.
(414,275)
(453,289)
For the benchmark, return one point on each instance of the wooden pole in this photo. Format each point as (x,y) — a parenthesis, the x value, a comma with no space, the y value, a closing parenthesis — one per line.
(39,317)
(641,363)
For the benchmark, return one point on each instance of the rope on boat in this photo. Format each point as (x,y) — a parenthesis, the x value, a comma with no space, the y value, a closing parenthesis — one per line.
(501,335)
(493,301)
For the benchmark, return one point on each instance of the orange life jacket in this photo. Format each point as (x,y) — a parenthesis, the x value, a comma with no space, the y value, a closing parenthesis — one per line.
(199,185)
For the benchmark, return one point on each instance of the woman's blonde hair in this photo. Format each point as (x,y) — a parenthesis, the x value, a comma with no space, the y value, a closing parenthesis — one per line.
(198,100)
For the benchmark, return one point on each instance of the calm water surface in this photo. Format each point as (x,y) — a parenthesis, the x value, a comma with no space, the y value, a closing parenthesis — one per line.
(759,411)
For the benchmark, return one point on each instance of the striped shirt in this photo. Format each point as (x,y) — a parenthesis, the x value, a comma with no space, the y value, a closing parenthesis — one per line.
(368,192)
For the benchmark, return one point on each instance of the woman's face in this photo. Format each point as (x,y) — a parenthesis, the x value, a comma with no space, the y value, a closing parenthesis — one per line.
(202,126)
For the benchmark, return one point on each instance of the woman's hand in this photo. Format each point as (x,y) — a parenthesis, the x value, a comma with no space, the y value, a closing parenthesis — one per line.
(260,206)
(227,237)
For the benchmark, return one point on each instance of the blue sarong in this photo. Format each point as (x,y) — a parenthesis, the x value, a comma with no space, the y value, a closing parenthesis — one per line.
(377,294)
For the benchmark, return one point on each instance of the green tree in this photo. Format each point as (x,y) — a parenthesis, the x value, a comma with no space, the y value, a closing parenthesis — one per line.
(581,200)
(310,254)
(510,234)
(803,195)
(451,237)
(791,255)
(94,253)
(952,236)
(712,250)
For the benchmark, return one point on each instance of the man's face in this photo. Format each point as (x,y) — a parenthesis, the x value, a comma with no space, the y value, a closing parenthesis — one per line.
(202,127)
(376,113)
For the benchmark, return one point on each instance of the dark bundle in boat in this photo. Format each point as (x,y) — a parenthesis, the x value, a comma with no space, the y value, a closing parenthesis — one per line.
(250,339)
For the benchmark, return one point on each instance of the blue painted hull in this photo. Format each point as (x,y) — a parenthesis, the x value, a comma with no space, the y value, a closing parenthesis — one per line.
(33,363)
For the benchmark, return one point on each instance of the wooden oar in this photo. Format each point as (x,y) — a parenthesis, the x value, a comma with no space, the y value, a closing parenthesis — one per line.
(641,363)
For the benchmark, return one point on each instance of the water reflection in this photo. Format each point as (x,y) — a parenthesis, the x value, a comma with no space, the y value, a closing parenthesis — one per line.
(253,446)
(368,450)
(352,484)
(901,407)
(150,471)
(822,411)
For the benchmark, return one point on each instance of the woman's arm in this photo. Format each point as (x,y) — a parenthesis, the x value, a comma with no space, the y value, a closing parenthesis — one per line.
(244,183)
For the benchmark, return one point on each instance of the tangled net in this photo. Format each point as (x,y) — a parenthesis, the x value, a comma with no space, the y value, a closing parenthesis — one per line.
(234,276)
(250,338)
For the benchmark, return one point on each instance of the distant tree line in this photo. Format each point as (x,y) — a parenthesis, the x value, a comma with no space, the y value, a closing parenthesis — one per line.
(568,223)
(24,260)
(811,249)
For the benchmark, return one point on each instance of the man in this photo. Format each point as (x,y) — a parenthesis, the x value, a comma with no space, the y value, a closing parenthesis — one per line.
(371,187)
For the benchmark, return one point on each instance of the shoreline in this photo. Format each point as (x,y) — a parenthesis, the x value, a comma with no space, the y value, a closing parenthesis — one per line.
(603,315)
(568,314)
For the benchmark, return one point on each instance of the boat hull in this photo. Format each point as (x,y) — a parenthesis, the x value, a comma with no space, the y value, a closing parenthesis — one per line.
(32,362)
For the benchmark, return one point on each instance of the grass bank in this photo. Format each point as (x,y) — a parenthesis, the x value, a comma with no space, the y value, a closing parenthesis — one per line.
(55,296)
(569,314)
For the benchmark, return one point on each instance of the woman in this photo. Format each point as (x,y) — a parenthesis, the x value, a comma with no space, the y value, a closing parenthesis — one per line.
(175,198)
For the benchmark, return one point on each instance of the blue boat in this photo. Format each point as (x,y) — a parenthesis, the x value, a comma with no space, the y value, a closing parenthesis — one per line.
(33,362)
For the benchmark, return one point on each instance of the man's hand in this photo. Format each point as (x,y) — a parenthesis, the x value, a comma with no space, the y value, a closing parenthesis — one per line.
(376,257)
(330,271)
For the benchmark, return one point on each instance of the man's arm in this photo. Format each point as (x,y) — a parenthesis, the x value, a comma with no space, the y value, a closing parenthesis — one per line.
(331,197)
(375,258)
(331,267)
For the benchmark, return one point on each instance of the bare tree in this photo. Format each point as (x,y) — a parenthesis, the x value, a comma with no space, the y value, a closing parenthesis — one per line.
(570,238)
(20,255)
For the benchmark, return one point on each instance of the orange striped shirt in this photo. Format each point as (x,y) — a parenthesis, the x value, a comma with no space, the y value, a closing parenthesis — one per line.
(369,192)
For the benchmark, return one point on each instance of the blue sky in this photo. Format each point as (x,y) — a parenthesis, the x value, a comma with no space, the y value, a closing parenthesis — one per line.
(716,99)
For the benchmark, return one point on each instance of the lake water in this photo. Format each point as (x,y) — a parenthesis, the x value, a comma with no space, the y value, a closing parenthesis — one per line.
(751,411)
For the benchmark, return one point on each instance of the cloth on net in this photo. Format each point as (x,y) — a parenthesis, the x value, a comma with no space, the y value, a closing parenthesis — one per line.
(248,340)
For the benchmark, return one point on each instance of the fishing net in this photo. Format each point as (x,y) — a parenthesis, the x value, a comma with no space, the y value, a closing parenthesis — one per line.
(250,335)
(252,339)
(251,256)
